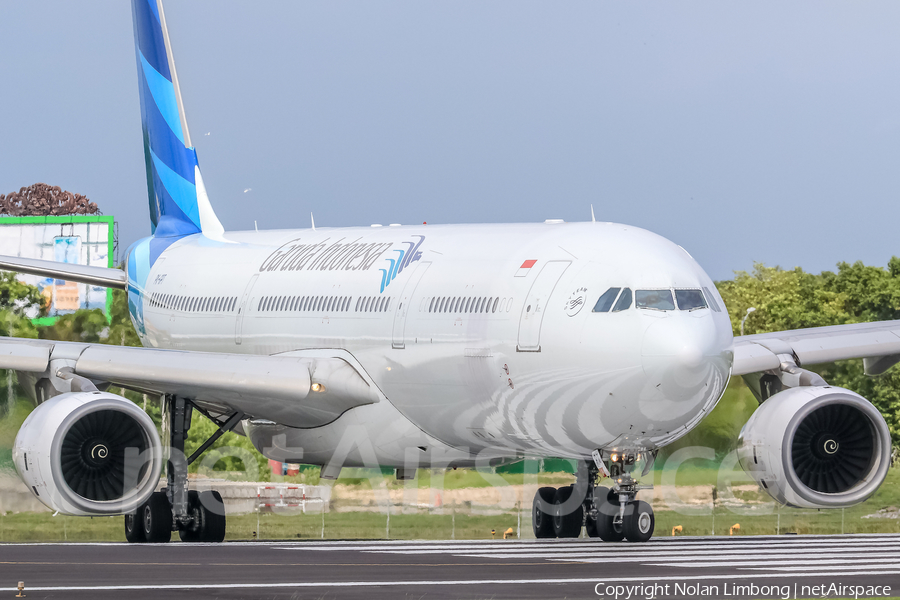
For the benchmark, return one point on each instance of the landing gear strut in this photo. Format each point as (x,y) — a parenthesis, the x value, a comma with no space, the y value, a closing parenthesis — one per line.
(197,516)
(609,514)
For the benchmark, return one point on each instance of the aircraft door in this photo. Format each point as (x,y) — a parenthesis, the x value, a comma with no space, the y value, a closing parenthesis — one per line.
(242,310)
(536,304)
(406,296)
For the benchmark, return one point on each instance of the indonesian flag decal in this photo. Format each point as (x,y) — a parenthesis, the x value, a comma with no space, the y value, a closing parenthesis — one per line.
(525,269)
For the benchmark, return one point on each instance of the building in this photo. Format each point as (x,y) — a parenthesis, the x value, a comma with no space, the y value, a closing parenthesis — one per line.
(73,239)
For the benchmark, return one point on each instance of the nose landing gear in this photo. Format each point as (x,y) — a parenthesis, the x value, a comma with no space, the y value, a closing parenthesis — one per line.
(609,514)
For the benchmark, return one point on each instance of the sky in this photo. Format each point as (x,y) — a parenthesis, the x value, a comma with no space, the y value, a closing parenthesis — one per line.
(744,131)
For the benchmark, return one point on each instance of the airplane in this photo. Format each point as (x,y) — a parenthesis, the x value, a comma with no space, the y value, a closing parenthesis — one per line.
(433,346)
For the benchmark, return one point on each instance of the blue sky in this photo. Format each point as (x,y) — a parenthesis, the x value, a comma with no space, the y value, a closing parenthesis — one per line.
(763,131)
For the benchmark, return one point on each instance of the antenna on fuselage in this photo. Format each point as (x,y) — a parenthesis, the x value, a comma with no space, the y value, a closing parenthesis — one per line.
(593,220)
(313,221)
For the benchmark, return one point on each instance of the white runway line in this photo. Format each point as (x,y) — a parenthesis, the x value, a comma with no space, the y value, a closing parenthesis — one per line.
(459,582)
(681,556)
(787,568)
(592,545)
(757,564)
(813,555)
(582,551)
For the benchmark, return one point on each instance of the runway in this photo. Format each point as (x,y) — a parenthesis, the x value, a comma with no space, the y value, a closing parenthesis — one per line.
(757,567)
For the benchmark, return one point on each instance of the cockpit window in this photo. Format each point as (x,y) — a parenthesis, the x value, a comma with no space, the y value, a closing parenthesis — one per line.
(712,299)
(655,299)
(606,300)
(624,302)
(690,299)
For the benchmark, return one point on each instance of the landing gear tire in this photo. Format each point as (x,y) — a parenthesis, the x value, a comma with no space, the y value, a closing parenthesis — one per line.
(566,524)
(208,518)
(156,519)
(134,532)
(609,528)
(590,523)
(639,521)
(541,513)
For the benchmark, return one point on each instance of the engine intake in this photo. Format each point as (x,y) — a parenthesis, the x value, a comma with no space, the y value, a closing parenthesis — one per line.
(89,453)
(816,447)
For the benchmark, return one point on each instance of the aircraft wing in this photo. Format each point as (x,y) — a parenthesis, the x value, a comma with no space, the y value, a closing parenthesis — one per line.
(113,278)
(878,343)
(299,389)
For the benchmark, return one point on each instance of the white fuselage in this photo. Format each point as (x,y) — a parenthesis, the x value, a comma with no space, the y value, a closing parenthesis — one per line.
(477,353)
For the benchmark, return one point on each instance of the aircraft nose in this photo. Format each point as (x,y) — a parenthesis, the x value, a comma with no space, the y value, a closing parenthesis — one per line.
(682,355)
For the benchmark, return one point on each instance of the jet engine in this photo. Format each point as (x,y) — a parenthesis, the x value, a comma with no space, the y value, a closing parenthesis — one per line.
(816,447)
(89,453)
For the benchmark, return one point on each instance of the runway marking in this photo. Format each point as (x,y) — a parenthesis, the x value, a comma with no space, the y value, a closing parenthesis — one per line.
(278,564)
(355,544)
(315,584)
(603,550)
(891,565)
(643,556)
(755,564)
(551,545)
(811,555)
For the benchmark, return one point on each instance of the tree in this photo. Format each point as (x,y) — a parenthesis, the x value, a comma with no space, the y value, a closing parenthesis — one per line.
(121,331)
(793,299)
(18,301)
(80,326)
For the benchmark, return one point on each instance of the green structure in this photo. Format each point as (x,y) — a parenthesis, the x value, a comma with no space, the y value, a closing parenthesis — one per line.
(82,239)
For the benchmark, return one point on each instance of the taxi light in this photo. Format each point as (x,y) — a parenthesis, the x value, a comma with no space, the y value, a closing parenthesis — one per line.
(317,387)
(614,458)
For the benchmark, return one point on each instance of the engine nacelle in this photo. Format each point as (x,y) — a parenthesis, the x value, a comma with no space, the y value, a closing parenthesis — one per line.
(816,447)
(89,453)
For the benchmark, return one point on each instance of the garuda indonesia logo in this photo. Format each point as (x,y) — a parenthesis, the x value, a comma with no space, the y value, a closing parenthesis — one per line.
(410,254)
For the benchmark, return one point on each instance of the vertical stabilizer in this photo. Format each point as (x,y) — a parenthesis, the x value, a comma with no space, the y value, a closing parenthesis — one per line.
(179,205)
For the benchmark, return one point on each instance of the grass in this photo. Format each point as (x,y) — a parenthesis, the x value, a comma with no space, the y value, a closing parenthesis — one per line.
(43,527)
(754,519)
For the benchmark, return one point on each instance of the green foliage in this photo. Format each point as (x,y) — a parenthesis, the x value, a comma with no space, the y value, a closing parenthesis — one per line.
(783,300)
(793,299)
(80,326)
(721,428)
(17,301)
(19,297)
(121,331)
(232,456)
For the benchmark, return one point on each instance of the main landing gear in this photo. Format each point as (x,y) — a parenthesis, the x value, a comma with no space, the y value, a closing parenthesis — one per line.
(609,514)
(196,516)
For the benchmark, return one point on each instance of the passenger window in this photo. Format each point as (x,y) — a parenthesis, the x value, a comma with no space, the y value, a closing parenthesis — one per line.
(654,299)
(690,299)
(387,304)
(606,300)
(494,309)
(624,301)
